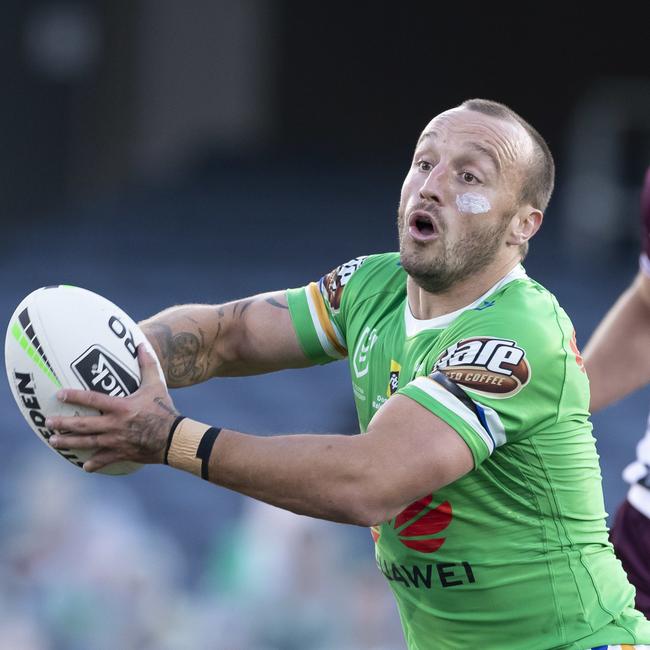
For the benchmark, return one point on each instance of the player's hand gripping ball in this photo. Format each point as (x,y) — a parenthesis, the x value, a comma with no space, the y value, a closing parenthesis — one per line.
(67,337)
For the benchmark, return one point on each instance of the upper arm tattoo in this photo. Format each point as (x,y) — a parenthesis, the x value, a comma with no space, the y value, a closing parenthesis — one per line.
(239,308)
(242,306)
(188,357)
(273,302)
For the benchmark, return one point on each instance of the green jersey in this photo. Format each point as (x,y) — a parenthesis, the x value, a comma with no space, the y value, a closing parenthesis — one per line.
(514,554)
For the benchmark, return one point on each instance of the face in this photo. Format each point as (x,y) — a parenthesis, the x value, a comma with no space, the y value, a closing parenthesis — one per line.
(459,196)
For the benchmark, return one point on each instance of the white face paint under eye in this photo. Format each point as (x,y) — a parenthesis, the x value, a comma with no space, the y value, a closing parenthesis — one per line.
(472,203)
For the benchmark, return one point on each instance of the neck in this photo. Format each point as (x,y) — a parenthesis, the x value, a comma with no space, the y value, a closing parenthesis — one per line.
(425,305)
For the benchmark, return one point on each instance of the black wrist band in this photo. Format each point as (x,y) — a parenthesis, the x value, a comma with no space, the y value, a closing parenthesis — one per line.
(205,449)
(170,436)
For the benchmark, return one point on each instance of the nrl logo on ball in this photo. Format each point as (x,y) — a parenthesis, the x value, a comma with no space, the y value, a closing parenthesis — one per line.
(489,366)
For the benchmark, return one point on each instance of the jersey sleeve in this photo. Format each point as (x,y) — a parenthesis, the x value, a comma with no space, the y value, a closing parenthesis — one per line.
(478,424)
(504,375)
(318,312)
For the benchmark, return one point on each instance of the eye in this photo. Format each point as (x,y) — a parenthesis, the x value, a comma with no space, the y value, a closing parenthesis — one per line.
(424,165)
(468,177)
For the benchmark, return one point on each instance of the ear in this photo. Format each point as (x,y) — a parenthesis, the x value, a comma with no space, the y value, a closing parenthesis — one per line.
(524,224)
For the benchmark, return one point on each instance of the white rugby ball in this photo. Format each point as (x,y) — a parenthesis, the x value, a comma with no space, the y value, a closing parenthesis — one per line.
(68,337)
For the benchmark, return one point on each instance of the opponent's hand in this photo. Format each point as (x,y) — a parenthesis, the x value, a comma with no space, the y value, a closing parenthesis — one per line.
(133,428)
(645,214)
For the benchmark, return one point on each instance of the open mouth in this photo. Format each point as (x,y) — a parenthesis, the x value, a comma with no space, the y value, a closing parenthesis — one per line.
(422,226)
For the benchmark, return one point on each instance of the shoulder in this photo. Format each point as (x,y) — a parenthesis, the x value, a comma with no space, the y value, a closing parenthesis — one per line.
(518,333)
(522,308)
(362,278)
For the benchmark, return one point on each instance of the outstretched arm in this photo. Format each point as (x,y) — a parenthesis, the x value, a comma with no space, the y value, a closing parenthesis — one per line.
(244,337)
(406,453)
(617,357)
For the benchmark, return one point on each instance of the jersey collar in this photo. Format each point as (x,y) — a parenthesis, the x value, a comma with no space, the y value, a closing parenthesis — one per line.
(415,325)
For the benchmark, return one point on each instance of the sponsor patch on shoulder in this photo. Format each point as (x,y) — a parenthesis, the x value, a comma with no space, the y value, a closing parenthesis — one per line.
(493,367)
(332,284)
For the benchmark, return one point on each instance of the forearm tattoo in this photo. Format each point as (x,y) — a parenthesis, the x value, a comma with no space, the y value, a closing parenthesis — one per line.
(160,335)
(179,354)
(183,359)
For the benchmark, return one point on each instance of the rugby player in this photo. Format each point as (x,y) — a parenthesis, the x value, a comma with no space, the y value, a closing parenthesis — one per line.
(617,358)
(477,470)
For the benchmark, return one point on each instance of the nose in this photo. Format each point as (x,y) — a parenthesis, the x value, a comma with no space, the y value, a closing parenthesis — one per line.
(432,184)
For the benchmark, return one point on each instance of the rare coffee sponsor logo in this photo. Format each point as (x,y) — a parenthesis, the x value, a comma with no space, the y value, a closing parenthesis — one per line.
(489,366)
(100,371)
(332,284)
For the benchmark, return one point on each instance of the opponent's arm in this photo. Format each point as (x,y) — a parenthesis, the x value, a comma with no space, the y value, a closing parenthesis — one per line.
(617,357)
(244,337)
(407,453)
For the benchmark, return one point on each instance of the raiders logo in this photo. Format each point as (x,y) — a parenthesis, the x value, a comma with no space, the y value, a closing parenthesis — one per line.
(393,378)
(332,284)
(489,366)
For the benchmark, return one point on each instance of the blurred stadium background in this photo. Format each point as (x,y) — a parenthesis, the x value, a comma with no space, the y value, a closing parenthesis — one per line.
(161,152)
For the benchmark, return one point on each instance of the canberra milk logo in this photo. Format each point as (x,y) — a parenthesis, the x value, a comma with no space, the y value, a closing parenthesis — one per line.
(361,357)
(98,370)
(489,366)
(418,524)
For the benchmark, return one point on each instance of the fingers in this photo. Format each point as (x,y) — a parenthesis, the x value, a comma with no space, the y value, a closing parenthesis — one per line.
(99,460)
(80,424)
(88,441)
(131,428)
(90,398)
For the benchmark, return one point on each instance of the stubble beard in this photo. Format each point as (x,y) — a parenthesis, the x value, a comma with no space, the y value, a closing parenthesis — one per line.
(438,272)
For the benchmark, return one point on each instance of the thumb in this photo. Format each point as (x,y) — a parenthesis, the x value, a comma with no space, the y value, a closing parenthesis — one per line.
(149,369)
